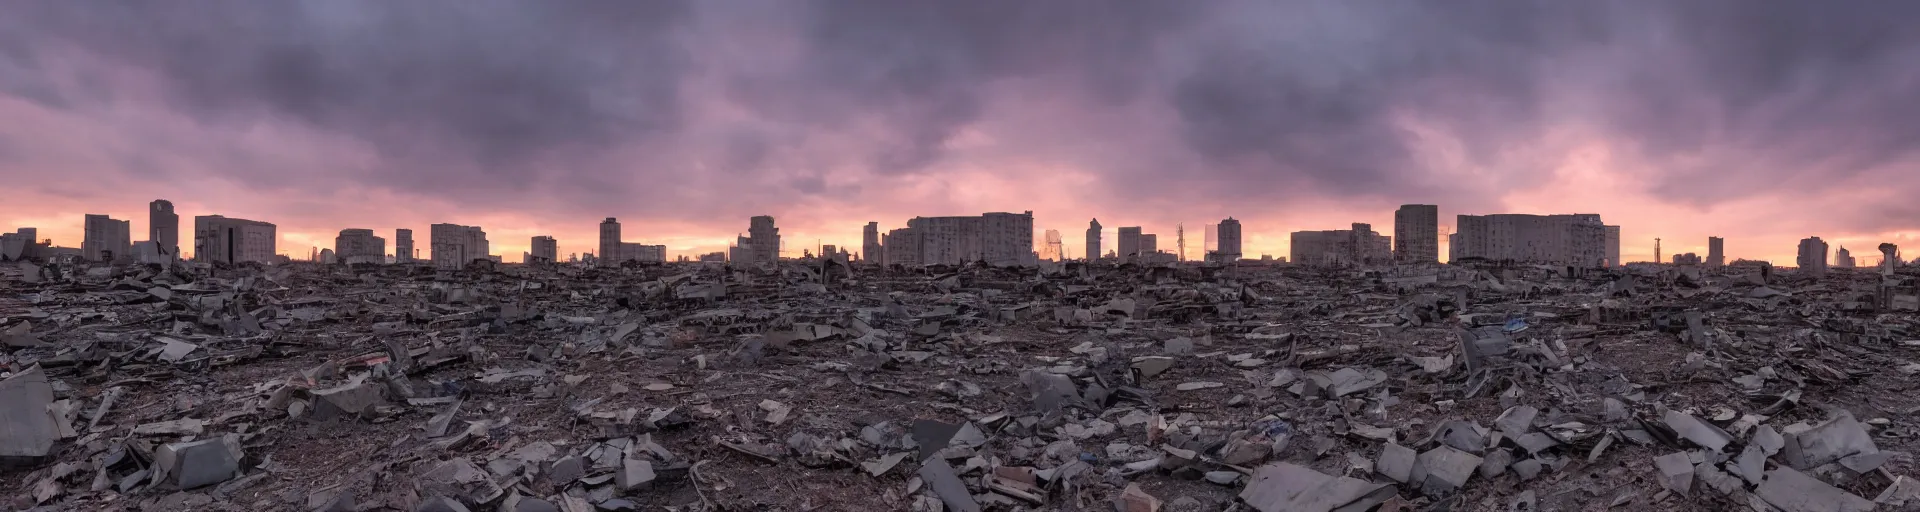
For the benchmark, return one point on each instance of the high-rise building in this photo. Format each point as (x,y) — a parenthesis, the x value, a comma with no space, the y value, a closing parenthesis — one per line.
(454,245)
(163,226)
(904,246)
(610,242)
(870,248)
(219,239)
(545,250)
(1716,251)
(403,246)
(1416,233)
(1357,245)
(764,238)
(1842,258)
(1006,238)
(1129,243)
(1093,240)
(1813,256)
(106,239)
(1613,246)
(1149,244)
(1228,241)
(359,246)
(1576,239)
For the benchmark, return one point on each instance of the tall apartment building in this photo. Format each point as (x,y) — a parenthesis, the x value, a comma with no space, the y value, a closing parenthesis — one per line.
(903,246)
(870,248)
(1842,258)
(545,249)
(219,239)
(1716,251)
(1358,245)
(1128,243)
(403,245)
(1227,241)
(610,242)
(359,246)
(1007,238)
(1813,256)
(106,239)
(642,252)
(997,238)
(1416,233)
(1093,240)
(764,238)
(1613,246)
(1149,244)
(163,226)
(1576,239)
(454,245)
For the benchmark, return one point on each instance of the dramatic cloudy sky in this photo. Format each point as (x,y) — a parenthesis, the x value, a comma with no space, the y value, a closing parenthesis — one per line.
(1760,121)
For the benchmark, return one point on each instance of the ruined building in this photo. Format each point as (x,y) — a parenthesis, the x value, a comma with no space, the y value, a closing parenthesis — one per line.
(228,240)
(1416,233)
(1576,239)
(454,245)
(359,246)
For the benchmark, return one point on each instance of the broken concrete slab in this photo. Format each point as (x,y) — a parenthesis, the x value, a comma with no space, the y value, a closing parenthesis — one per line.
(1828,442)
(1793,491)
(1700,432)
(199,463)
(1516,421)
(947,485)
(633,474)
(1675,472)
(1135,500)
(1447,469)
(347,400)
(27,430)
(1283,487)
(1396,462)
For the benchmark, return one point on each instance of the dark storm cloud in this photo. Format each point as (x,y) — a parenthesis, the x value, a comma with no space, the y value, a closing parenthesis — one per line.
(495,83)
(1256,98)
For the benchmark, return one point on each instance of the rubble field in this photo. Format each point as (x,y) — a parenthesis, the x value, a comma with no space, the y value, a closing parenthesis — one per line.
(823,386)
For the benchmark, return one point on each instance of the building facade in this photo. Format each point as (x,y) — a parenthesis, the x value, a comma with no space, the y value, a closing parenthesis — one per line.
(1051,248)
(545,249)
(20,244)
(1716,251)
(1576,239)
(454,246)
(1813,256)
(1358,245)
(1416,233)
(359,246)
(1842,258)
(106,239)
(1128,243)
(870,247)
(219,239)
(403,246)
(610,242)
(1093,240)
(763,239)
(163,226)
(1226,241)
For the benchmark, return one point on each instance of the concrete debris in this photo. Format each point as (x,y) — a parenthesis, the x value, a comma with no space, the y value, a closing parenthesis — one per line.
(1169,386)
(1793,491)
(27,431)
(1283,487)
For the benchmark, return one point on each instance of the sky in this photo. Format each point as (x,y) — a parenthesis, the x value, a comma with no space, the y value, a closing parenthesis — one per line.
(1761,121)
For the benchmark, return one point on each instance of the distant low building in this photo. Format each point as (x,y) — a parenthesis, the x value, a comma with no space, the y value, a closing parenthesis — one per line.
(106,239)
(1360,245)
(359,246)
(544,249)
(454,246)
(218,239)
(1575,239)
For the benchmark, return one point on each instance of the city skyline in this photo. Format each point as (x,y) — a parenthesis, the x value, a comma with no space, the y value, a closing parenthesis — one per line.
(1139,114)
(1039,241)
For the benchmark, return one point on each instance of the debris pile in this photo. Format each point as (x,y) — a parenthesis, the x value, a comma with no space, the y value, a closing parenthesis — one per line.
(1064,387)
